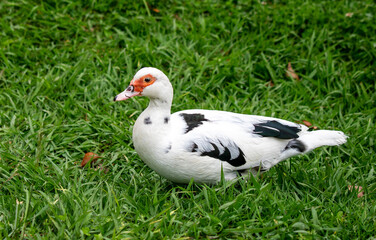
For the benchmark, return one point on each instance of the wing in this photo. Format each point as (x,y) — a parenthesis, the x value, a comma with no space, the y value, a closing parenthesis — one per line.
(232,137)
(218,147)
(257,125)
(274,128)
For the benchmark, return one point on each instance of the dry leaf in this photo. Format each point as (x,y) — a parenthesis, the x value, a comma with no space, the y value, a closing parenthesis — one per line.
(153,9)
(90,156)
(308,124)
(290,72)
(177,17)
(349,14)
(358,188)
(94,162)
(270,84)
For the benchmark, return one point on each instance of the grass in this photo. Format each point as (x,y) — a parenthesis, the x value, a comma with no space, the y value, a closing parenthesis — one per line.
(62,62)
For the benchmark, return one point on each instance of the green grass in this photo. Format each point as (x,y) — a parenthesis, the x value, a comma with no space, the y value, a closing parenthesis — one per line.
(62,63)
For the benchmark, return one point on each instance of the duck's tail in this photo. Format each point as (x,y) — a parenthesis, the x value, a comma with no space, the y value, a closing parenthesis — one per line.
(308,141)
(315,139)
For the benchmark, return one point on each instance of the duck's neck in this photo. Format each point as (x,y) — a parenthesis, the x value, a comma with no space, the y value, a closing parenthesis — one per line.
(154,121)
(157,114)
(159,107)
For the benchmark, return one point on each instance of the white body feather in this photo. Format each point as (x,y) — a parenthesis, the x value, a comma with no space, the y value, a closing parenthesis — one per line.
(152,143)
(179,151)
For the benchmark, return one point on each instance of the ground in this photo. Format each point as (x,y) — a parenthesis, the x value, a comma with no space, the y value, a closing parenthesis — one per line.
(62,62)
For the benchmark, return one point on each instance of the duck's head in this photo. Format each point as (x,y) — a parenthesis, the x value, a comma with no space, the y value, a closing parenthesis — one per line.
(149,82)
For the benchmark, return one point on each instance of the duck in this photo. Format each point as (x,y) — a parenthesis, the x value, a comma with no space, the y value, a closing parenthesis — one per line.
(208,145)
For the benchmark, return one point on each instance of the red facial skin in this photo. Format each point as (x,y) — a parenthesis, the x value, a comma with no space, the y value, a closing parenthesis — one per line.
(140,84)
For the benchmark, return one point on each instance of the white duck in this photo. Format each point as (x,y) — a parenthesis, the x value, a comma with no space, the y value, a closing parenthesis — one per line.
(200,144)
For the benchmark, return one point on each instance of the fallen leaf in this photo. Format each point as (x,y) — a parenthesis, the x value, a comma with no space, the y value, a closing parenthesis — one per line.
(308,124)
(290,72)
(153,9)
(90,156)
(349,14)
(270,83)
(358,188)
(177,17)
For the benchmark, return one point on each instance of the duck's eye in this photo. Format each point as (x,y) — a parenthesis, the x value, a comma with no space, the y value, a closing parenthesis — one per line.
(130,88)
(147,79)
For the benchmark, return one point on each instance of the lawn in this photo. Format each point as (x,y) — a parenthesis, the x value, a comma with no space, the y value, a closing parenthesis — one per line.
(62,62)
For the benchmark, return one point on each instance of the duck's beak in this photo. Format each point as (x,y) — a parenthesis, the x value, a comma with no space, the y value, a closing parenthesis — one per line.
(128,93)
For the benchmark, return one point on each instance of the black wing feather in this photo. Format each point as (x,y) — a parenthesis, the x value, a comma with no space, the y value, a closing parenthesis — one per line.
(193,120)
(276,129)
(225,156)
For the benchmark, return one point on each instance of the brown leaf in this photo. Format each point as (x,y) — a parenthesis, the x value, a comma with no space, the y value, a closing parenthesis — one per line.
(308,124)
(270,83)
(290,72)
(358,188)
(90,156)
(177,17)
(151,8)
